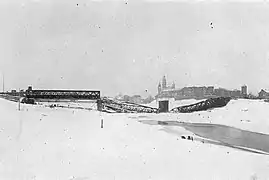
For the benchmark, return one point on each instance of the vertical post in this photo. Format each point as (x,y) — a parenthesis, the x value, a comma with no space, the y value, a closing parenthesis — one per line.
(19,100)
(99,105)
(102,123)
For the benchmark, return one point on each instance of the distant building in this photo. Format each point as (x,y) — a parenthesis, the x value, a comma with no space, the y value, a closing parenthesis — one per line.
(173,86)
(164,83)
(30,88)
(263,94)
(136,99)
(251,96)
(223,92)
(236,93)
(165,91)
(126,98)
(149,99)
(119,97)
(21,93)
(159,88)
(244,90)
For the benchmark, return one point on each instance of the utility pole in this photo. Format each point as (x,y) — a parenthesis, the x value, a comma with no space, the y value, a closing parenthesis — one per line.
(3,83)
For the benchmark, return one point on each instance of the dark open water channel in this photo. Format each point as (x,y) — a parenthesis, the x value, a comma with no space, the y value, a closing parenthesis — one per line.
(224,134)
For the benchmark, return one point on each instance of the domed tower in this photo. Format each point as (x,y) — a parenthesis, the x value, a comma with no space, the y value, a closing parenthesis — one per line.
(159,88)
(164,82)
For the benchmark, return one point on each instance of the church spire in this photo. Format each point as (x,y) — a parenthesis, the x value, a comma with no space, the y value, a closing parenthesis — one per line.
(164,82)
(159,88)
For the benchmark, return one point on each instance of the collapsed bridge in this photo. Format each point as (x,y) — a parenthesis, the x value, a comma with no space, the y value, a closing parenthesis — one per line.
(114,106)
(203,105)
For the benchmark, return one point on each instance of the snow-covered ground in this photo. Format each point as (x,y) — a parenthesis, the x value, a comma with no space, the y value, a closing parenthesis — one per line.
(72,105)
(42,143)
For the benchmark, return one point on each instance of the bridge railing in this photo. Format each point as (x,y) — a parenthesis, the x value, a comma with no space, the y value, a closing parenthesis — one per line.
(62,94)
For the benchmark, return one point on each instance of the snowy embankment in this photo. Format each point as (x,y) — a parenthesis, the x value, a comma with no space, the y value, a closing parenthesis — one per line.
(53,143)
(252,115)
(86,105)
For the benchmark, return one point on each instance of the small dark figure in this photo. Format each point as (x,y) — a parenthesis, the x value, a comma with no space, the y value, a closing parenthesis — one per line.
(102,124)
(183,137)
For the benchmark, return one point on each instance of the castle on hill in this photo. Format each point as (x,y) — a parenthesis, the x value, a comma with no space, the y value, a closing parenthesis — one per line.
(194,92)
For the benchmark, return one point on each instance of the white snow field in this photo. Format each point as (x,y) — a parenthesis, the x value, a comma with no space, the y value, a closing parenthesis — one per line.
(41,143)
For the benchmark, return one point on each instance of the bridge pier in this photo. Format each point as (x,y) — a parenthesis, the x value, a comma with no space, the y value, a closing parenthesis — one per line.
(99,105)
(163,106)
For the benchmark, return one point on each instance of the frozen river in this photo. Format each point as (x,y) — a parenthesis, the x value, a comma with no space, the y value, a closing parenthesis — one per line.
(226,135)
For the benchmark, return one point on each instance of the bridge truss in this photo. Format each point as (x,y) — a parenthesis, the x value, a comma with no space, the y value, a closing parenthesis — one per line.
(203,105)
(63,94)
(115,106)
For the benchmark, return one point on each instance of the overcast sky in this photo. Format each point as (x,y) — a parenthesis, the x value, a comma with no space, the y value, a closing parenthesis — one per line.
(127,46)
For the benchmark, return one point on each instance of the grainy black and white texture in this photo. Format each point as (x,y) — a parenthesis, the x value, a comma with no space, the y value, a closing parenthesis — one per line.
(126,48)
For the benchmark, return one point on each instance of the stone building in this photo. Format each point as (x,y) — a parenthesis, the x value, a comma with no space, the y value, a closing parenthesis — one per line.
(165,91)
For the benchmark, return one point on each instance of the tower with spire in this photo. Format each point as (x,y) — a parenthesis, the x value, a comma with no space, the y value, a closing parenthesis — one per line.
(164,82)
(162,86)
(159,88)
